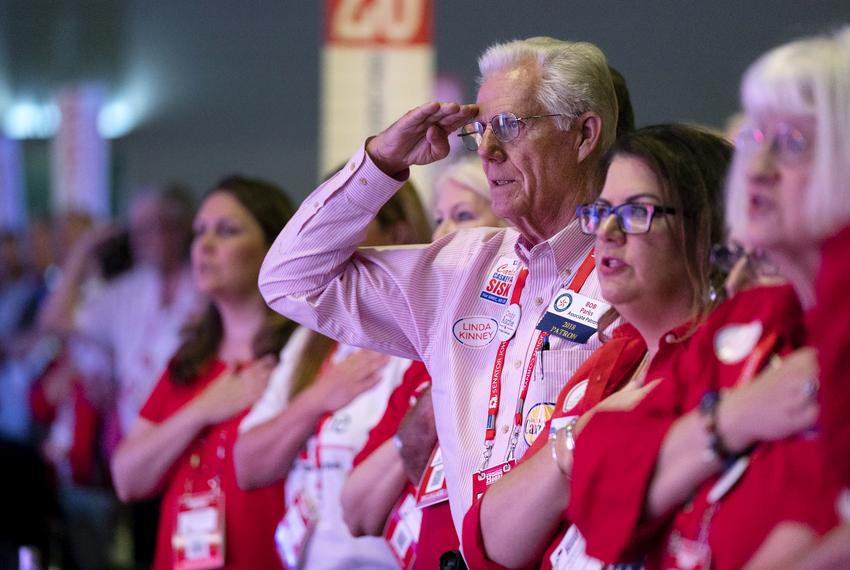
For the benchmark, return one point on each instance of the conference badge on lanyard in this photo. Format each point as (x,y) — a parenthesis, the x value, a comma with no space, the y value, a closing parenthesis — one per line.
(573,316)
(486,477)
(570,553)
(402,530)
(198,539)
(500,280)
(294,530)
(432,486)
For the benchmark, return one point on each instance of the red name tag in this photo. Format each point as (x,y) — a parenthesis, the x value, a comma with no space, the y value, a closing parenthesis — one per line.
(402,530)
(483,479)
(432,487)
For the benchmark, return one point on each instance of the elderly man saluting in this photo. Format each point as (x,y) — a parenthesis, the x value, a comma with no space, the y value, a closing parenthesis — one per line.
(501,317)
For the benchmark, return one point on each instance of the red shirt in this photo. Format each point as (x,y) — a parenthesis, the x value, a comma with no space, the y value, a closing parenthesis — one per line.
(829,333)
(605,372)
(83,456)
(437,533)
(617,451)
(250,516)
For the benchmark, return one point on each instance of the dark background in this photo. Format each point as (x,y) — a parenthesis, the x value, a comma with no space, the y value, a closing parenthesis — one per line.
(233,85)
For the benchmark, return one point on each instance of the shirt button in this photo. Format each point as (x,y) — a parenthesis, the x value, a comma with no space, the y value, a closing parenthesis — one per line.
(363,181)
(669,338)
(538,301)
(505,428)
(517,364)
(316,205)
(351,167)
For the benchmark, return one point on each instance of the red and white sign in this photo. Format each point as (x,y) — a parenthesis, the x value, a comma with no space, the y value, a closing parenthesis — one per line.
(377,64)
(379,22)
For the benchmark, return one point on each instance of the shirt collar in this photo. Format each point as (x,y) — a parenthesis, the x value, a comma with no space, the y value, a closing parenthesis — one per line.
(569,246)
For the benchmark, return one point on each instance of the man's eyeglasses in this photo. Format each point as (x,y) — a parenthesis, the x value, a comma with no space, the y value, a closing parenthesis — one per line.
(787,143)
(506,127)
(632,217)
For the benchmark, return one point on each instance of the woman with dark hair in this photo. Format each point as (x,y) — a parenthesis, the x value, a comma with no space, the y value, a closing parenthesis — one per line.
(654,222)
(181,445)
(316,415)
(723,464)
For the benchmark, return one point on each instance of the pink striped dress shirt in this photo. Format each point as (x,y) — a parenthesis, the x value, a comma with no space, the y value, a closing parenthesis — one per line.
(413,301)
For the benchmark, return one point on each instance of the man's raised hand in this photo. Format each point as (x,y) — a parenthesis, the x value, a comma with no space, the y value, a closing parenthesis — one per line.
(420,136)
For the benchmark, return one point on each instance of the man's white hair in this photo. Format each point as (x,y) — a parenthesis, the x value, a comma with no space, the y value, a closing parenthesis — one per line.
(574,78)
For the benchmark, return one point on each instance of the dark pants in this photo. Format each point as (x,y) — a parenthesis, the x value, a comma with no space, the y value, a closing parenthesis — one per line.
(145,520)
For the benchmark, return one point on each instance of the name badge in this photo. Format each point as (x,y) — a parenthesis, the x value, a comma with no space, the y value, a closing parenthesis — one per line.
(402,530)
(573,316)
(198,539)
(570,553)
(432,486)
(483,479)
(294,530)
(500,281)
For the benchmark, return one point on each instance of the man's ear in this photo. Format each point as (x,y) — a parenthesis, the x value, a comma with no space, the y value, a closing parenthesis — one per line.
(589,126)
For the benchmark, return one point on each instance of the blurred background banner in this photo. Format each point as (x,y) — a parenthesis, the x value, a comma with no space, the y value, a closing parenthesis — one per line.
(80,155)
(377,62)
(13,211)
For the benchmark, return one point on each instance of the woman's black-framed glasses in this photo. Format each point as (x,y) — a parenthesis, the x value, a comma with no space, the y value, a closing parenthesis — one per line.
(632,217)
(506,127)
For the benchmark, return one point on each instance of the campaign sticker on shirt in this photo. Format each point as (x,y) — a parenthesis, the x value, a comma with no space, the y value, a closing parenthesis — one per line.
(499,282)
(575,395)
(475,332)
(509,322)
(535,421)
(733,343)
(572,316)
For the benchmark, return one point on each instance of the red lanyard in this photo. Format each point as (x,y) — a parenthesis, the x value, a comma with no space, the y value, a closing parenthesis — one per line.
(585,269)
(758,358)
(576,284)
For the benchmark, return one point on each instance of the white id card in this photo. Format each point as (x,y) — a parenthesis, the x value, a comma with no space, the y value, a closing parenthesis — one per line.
(570,553)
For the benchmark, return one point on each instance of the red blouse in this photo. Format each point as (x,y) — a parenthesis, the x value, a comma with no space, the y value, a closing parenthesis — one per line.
(616,454)
(602,374)
(829,333)
(250,516)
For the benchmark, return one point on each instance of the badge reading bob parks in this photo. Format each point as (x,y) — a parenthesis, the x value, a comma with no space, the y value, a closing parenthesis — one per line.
(572,316)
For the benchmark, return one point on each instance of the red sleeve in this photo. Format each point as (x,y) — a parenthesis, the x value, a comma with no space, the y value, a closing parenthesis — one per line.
(398,404)
(829,332)
(82,455)
(154,408)
(803,501)
(613,465)
(473,541)
(42,411)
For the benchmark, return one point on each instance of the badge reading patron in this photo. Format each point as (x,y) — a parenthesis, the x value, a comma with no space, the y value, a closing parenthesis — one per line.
(572,316)
(500,281)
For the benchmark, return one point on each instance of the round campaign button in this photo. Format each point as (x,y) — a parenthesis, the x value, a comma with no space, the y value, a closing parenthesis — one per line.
(509,322)
(733,343)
